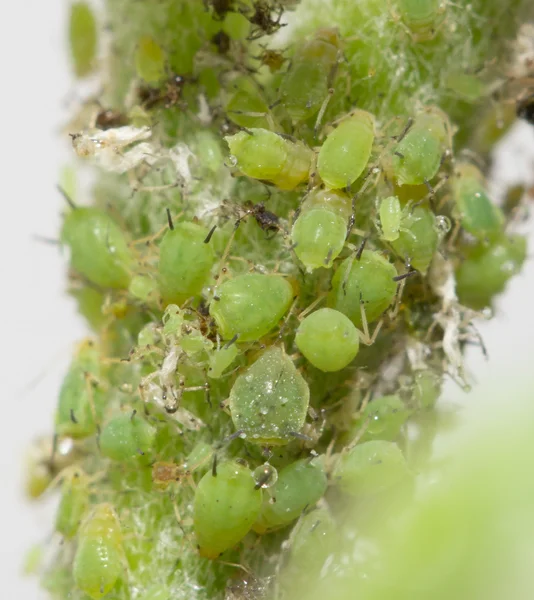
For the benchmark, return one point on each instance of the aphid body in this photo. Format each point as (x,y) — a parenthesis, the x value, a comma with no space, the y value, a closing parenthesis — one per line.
(422,17)
(98,562)
(381,419)
(74,502)
(185,262)
(418,237)
(485,270)
(328,339)
(126,436)
(390,213)
(370,468)
(83,38)
(416,157)
(269,156)
(269,401)
(98,248)
(249,306)
(225,507)
(81,396)
(478,215)
(319,232)
(346,150)
(300,485)
(149,60)
(305,86)
(366,282)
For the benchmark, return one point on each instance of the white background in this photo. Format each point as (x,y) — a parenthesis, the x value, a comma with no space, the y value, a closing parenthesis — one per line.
(39,323)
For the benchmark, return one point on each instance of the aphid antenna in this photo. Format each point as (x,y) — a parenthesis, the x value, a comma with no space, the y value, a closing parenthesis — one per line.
(210,234)
(66,197)
(46,240)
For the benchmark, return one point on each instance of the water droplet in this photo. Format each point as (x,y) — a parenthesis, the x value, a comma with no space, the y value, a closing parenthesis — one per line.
(265,476)
(442,225)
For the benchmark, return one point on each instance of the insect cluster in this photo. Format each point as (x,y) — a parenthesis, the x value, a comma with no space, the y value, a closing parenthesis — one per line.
(279,272)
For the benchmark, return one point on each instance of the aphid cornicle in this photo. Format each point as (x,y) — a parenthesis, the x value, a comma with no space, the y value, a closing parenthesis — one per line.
(99,558)
(319,232)
(81,396)
(269,156)
(185,262)
(371,468)
(346,150)
(416,157)
(422,17)
(249,306)
(328,339)
(478,215)
(98,248)
(126,436)
(366,282)
(225,507)
(83,38)
(300,485)
(305,86)
(269,401)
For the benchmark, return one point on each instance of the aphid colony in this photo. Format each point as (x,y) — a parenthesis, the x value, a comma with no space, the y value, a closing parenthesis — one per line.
(262,343)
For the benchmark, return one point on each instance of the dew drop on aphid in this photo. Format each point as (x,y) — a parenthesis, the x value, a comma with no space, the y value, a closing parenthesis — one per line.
(265,476)
(442,225)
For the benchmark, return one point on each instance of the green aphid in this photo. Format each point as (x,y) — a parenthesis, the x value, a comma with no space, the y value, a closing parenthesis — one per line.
(221,359)
(478,215)
(319,232)
(99,558)
(304,88)
(83,36)
(390,212)
(74,502)
(346,151)
(98,247)
(269,401)
(126,436)
(468,87)
(426,388)
(484,270)
(269,156)
(328,339)
(246,107)
(418,237)
(226,505)
(299,486)
(249,306)
(185,262)
(382,419)
(367,283)
(144,288)
(422,17)
(81,397)
(371,468)
(416,158)
(149,60)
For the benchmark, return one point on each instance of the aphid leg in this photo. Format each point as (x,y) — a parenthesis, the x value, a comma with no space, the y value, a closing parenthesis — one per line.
(365,337)
(322,111)
(307,310)
(288,316)
(151,238)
